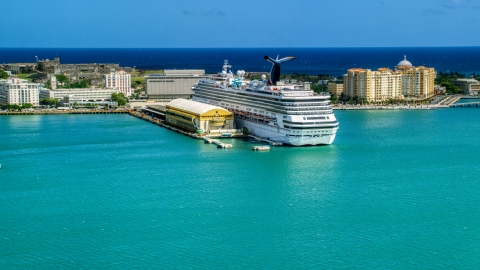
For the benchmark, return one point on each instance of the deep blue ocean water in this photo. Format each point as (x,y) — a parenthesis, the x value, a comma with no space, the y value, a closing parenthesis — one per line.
(313,61)
(396,190)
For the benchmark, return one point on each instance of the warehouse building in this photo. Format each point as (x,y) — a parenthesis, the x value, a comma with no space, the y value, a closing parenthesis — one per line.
(194,116)
(172,84)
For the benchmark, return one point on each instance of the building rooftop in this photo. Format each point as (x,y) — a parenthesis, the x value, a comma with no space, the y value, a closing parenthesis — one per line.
(470,80)
(404,62)
(177,72)
(192,106)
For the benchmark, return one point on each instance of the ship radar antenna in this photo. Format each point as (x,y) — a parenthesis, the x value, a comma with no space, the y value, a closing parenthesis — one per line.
(226,66)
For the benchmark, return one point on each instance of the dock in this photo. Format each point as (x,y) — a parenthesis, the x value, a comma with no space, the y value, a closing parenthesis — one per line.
(207,138)
(451,100)
(466,104)
(123,111)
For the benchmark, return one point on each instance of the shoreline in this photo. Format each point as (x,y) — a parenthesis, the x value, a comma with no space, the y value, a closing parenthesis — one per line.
(369,107)
(67,112)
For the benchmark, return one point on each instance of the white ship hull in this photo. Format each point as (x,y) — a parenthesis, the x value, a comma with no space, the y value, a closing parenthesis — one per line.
(284,135)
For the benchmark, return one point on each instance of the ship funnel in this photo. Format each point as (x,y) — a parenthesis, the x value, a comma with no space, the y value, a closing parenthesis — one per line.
(275,71)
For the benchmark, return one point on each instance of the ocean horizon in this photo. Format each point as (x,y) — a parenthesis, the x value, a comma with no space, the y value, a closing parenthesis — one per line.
(311,61)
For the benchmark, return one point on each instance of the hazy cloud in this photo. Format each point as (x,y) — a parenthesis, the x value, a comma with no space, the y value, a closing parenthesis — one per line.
(455,4)
(214,12)
(432,11)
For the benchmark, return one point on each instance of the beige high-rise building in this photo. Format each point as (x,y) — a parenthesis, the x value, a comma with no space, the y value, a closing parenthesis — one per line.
(385,84)
(358,83)
(416,81)
(335,88)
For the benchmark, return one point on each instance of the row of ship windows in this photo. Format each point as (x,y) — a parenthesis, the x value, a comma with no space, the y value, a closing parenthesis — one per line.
(273,108)
(289,109)
(246,95)
(313,132)
(322,135)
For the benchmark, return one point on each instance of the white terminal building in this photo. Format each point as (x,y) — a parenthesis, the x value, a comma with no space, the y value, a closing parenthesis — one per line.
(18,92)
(80,96)
(121,81)
(173,84)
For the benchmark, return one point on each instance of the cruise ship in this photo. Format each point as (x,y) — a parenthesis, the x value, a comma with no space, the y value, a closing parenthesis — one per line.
(272,109)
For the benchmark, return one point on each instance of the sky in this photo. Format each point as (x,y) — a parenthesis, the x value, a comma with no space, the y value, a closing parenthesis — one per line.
(245,24)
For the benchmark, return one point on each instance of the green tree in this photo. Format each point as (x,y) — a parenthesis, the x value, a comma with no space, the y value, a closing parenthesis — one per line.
(48,85)
(26,106)
(120,98)
(81,84)
(62,79)
(3,74)
(334,99)
(13,107)
(48,101)
(451,88)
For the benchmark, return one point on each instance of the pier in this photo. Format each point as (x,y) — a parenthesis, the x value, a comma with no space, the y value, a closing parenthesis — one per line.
(123,111)
(210,138)
(466,104)
(390,107)
(207,138)
(450,100)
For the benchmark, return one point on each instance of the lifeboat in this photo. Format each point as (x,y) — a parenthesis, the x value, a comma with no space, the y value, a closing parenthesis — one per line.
(261,148)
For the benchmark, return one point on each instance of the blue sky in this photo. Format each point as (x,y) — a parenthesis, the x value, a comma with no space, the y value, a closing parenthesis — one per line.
(246,23)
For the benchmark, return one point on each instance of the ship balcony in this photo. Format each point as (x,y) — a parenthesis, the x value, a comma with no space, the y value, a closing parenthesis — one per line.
(310,125)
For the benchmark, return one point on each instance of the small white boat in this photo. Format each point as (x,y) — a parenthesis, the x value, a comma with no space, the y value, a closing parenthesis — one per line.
(261,148)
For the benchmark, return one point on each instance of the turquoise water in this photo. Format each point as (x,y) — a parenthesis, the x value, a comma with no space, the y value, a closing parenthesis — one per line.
(468,100)
(396,190)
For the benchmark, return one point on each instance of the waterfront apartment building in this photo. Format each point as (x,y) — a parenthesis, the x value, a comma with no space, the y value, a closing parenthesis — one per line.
(335,88)
(416,81)
(172,84)
(357,83)
(469,86)
(385,84)
(119,80)
(81,95)
(18,92)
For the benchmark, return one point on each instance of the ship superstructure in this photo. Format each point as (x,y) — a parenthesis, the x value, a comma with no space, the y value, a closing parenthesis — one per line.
(273,109)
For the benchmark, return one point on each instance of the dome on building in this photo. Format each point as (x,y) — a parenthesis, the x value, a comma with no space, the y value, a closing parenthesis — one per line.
(404,62)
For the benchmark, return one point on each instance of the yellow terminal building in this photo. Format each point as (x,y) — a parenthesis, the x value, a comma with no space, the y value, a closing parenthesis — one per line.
(198,117)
